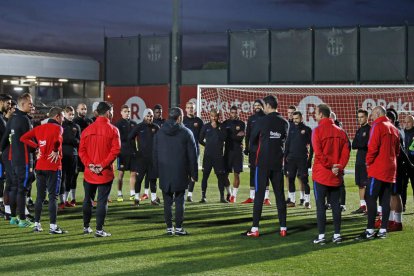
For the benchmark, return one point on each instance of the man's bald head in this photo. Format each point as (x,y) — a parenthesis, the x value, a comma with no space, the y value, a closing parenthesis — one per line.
(377,112)
(409,122)
(81,110)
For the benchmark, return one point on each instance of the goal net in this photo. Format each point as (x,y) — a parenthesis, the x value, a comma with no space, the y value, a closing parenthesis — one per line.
(344,100)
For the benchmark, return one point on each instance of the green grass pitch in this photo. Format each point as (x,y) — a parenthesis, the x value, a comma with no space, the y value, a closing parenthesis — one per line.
(139,244)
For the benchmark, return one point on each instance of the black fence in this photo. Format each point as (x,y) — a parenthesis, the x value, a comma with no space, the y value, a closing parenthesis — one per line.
(313,55)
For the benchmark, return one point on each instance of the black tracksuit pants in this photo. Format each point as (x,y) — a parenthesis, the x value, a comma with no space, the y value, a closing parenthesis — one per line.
(69,167)
(262,178)
(47,181)
(102,205)
(321,192)
(169,199)
(18,190)
(382,190)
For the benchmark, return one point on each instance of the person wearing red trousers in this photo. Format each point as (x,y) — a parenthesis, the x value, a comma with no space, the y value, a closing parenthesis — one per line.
(100,144)
(381,160)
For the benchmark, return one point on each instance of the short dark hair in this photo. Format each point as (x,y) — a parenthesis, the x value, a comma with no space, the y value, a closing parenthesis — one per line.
(392,110)
(297,112)
(292,107)
(13,103)
(270,100)
(69,109)
(103,107)
(234,108)
(325,110)
(174,113)
(5,97)
(124,106)
(390,115)
(157,106)
(361,110)
(54,111)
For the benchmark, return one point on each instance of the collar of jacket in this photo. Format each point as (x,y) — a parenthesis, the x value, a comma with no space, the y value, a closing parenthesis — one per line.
(326,121)
(102,119)
(381,119)
(52,121)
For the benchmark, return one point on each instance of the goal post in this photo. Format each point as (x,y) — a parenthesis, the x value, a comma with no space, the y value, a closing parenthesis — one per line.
(344,100)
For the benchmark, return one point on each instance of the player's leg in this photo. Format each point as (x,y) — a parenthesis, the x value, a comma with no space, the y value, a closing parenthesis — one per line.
(385,197)
(40,197)
(292,171)
(72,180)
(237,168)
(336,193)
(276,178)
(179,212)
(104,191)
(90,191)
(261,179)
(252,173)
(207,167)
(141,173)
(220,171)
(304,179)
(53,179)
(168,199)
(320,191)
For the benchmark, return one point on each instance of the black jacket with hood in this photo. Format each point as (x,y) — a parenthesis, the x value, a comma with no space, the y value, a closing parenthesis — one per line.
(175,156)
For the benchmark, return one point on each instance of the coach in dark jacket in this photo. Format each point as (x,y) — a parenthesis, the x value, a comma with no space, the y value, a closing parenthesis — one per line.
(175,161)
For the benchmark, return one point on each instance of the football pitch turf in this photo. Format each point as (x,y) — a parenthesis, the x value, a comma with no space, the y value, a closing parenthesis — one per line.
(139,245)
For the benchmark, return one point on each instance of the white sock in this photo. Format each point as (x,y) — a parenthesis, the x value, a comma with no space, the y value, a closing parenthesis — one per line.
(132,192)
(73,192)
(178,229)
(398,217)
(391,218)
(382,230)
(252,194)
(26,212)
(267,194)
(62,200)
(119,193)
(321,236)
(292,197)
(37,224)
(336,236)
(7,209)
(146,191)
(307,197)
(66,196)
(136,196)
(362,203)
(235,190)
(153,196)
(1,199)
(379,209)
(283,228)
(370,231)
(302,194)
(53,226)
(254,229)
(228,190)
(190,194)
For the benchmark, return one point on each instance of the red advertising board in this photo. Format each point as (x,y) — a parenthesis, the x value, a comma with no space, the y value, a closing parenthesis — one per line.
(188,93)
(138,98)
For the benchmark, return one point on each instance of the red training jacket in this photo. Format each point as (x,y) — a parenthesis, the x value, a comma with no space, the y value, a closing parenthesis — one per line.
(331,146)
(100,144)
(383,150)
(49,138)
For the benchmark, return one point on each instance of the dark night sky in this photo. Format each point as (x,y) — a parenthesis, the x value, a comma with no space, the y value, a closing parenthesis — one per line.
(77,26)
